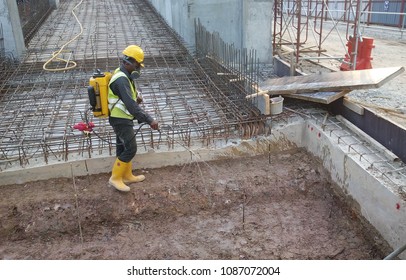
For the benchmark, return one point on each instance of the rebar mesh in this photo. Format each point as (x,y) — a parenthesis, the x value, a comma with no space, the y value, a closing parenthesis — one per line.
(39,108)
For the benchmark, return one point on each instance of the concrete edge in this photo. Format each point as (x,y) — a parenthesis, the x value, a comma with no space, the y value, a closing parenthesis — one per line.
(379,203)
(283,138)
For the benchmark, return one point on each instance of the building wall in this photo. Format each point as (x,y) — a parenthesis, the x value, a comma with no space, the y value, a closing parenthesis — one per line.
(244,23)
(13,38)
(17,19)
(257,27)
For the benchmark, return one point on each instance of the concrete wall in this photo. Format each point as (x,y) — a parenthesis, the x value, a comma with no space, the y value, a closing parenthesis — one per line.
(379,202)
(14,45)
(54,3)
(244,23)
(257,27)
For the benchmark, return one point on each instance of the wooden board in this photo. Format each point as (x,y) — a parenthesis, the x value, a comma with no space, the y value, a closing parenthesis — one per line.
(331,82)
(319,97)
(261,101)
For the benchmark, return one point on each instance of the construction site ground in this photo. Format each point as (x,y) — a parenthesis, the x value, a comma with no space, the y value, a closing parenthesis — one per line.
(278,206)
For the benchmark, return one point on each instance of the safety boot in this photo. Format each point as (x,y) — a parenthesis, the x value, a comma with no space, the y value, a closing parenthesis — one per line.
(116,179)
(129,177)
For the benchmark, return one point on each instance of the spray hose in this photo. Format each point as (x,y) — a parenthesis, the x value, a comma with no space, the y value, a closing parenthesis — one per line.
(70,64)
(87,126)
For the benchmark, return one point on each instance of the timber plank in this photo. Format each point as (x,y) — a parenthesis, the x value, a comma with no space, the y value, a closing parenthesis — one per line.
(331,82)
(319,97)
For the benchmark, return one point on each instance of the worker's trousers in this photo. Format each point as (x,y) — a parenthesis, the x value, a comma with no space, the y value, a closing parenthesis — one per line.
(126,146)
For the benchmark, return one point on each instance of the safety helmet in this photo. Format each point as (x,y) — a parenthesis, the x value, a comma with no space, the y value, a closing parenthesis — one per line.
(135,52)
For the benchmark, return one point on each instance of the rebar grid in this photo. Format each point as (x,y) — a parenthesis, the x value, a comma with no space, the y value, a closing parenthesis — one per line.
(239,68)
(39,108)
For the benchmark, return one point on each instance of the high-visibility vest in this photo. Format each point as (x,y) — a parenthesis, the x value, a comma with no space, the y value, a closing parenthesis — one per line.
(116,105)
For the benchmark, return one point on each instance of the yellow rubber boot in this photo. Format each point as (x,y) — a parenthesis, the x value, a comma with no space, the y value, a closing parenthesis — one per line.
(116,179)
(129,177)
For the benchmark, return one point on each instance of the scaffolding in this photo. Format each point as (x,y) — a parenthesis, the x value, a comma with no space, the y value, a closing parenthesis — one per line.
(302,26)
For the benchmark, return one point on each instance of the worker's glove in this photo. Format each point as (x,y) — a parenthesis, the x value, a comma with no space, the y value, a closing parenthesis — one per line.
(154,125)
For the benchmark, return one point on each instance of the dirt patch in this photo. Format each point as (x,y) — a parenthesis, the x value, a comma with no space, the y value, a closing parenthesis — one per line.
(279,206)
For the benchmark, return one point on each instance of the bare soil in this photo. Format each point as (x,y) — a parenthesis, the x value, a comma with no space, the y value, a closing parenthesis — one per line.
(278,206)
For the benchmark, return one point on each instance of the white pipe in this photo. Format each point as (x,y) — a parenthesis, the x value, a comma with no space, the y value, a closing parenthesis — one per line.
(395,253)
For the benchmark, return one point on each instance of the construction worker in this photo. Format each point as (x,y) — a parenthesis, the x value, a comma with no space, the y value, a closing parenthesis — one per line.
(124,107)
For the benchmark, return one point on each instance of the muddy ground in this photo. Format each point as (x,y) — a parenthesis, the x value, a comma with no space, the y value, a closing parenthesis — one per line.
(279,206)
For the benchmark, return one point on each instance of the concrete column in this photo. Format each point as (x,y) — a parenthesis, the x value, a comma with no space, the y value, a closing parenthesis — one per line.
(257,27)
(13,37)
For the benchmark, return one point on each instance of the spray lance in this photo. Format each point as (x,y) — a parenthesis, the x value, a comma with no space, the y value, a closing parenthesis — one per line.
(97,92)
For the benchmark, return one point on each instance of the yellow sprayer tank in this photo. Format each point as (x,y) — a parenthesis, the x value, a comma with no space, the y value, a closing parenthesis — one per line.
(98,90)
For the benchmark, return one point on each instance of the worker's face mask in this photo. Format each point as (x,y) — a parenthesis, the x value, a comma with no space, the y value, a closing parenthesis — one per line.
(135,74)
(135,65)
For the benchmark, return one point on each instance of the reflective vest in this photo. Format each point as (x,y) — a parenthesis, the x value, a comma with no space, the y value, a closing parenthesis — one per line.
(116,105)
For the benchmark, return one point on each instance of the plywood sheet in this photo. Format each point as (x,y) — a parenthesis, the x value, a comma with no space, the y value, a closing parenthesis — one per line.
(331,82)
(319,97)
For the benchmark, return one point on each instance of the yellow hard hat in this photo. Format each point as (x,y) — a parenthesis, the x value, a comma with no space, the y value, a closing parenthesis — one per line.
(135,52)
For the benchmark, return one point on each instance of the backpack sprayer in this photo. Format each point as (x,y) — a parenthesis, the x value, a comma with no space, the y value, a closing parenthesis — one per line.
(98,98)
(97,92)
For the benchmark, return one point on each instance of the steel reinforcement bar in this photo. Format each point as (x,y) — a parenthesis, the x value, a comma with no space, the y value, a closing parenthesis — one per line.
(39,108)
